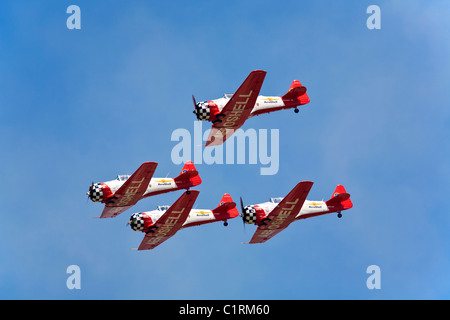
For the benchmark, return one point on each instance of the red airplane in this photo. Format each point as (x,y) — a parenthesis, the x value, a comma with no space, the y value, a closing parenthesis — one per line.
(126,190)
(276,215)
(231,111)
(162,223)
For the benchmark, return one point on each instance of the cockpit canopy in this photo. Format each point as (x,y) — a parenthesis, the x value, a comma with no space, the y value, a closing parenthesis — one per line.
(276,200)
(162,208)
(123,177)
(227,95)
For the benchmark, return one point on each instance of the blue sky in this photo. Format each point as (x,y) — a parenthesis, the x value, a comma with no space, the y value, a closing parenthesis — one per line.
(78,106)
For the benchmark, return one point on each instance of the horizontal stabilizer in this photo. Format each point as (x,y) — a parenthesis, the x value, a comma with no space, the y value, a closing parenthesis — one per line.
(296,92)
(340,198)
(226,206)
(188,176)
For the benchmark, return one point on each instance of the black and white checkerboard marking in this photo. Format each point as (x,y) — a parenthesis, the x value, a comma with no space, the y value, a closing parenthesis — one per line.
(249,214)
(203,111)
(97,193)
(137,222)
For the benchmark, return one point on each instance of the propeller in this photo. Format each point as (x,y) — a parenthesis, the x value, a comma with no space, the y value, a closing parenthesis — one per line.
(130,222)
(89,193)
(242,213)
(195,103)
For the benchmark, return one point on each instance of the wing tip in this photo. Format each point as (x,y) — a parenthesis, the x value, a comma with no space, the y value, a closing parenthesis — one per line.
(259,71)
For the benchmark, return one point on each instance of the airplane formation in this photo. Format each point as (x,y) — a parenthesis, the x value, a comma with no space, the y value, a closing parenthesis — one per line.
(227,114)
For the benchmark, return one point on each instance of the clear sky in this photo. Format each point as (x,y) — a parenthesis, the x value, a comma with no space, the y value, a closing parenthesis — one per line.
(78,106)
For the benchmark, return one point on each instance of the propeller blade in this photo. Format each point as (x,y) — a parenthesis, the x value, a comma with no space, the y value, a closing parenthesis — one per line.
(89,193)
(195,103)
(242,213)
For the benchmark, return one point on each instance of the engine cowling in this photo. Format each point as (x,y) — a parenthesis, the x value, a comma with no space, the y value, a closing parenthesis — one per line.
(140,221)
(207,110)
(202,111)
(99,192)
(253,214)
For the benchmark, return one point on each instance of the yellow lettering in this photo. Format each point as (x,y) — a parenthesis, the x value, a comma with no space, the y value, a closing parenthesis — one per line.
(138,181)
(233,119)
(293,205)
(132,190)
(246,96)
(236,113)
(243,103)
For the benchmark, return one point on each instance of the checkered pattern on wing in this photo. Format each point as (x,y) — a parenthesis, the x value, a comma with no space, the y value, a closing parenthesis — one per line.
(203,112)
(97,193)
(137,222)
(250,214)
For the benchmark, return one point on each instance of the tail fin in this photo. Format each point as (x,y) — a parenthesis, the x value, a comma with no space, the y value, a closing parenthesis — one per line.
(296,92)
(226,207)
(189,176)
(340,198)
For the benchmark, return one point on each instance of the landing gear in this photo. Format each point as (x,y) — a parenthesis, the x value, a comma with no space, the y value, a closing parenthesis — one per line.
(339,215)
(225,223)
(152,229)
(263,221)
(188,191)
(112,199)
(296,110)
(219,118)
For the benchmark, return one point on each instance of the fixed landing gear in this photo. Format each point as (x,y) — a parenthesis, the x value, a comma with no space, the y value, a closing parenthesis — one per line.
(225,223)
(188,191)
(152,229)
(263,221)
(112,199)
(339,215)
(296,110)
(219,118)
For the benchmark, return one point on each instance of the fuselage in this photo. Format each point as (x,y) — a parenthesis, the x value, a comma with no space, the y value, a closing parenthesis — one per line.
(156,185)
(264,104)
(308,208)
(196,216)
(258,213)
(102,192)
(144,221)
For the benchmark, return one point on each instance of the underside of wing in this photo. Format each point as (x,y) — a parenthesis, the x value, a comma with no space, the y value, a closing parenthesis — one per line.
(238,108)
(170,222)
(131,191)
(217,136)
(110,212)
(283,214)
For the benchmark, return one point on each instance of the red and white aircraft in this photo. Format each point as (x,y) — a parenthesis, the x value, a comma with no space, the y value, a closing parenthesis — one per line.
(276,215)
(126,190)
(162,223)
(231,111)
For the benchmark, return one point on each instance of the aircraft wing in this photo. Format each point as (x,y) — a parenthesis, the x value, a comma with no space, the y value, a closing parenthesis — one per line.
(170,222)
(131,191)
(283,214)
(238,108)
